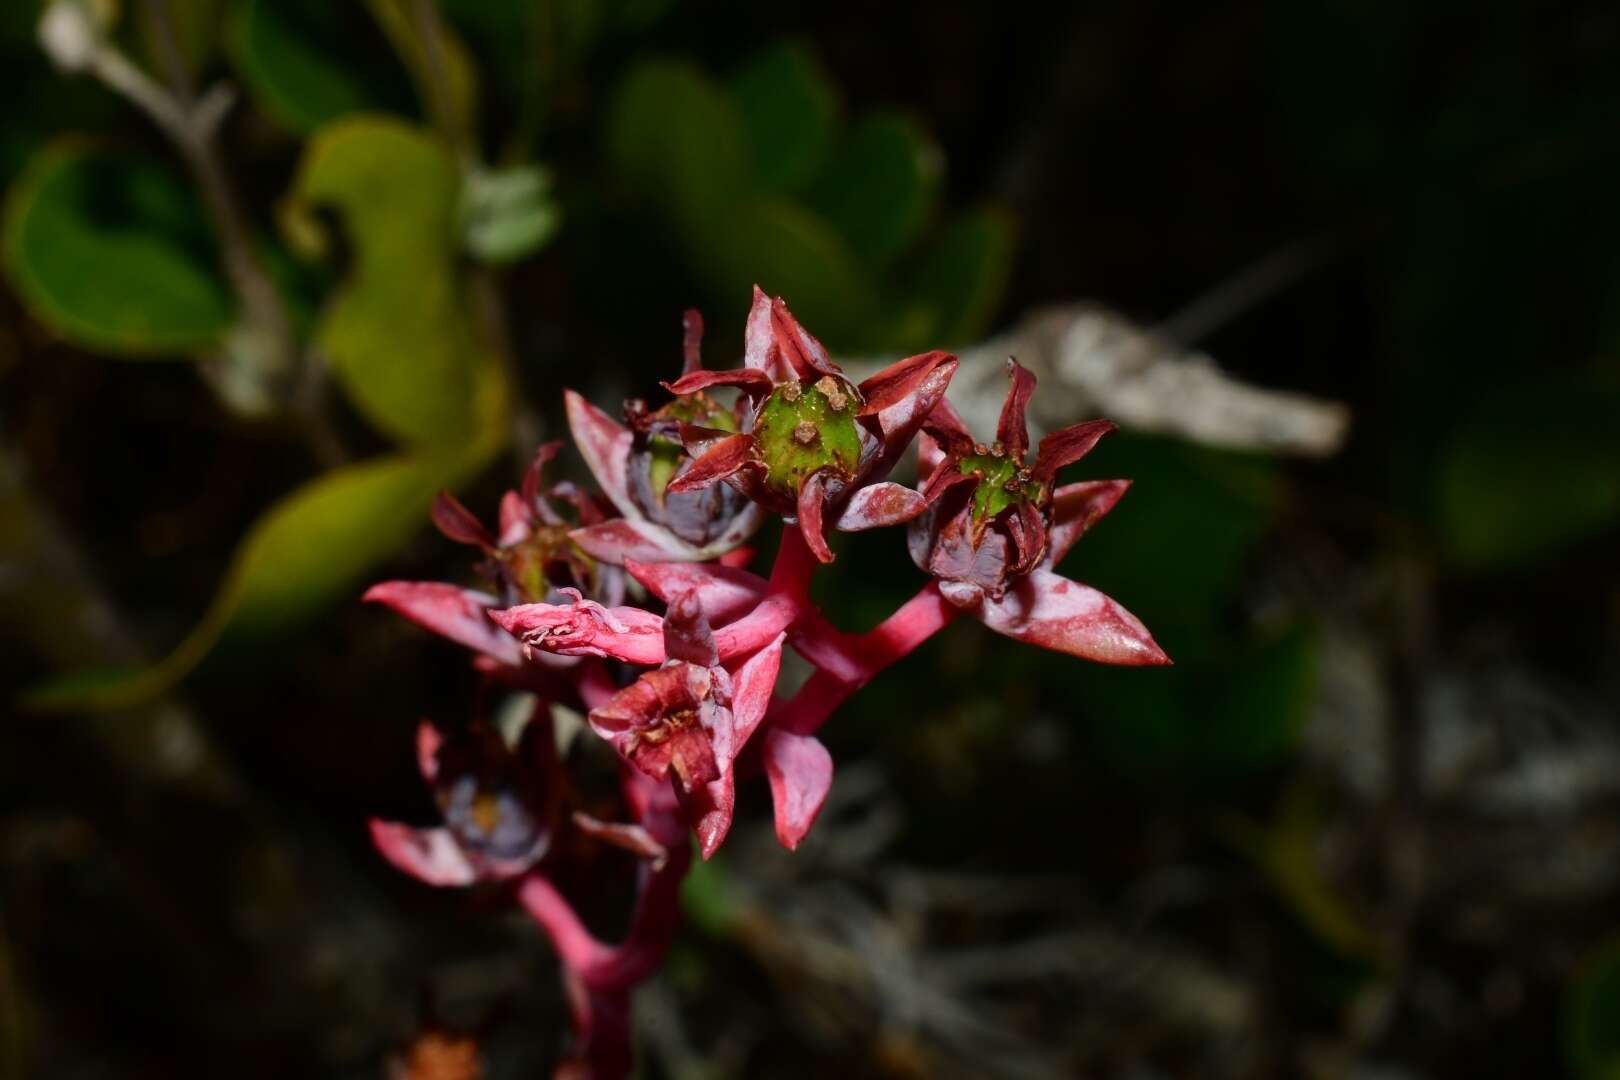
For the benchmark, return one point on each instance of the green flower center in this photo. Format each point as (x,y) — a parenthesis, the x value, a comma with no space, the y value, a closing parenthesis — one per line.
(1003,483)
(805,428)
(666,454)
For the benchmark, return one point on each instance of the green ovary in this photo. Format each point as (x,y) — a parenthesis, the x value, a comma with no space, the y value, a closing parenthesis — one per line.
(999,485)
(799,432)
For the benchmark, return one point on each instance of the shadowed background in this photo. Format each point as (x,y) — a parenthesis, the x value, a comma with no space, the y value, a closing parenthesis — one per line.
(1367,826)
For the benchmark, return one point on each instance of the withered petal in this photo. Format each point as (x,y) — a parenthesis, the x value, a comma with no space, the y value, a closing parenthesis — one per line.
(1067,446)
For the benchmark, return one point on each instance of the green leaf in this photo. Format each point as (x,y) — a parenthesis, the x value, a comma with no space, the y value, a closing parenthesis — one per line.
(960,280)
(307,550)
(790,252)
(790,108)
(113,252)
(1592,1016)
(508,214)
(1285,850)
(442,69)
(307,62)
(1530,472)
(881,185)
(678,141)
(396,332)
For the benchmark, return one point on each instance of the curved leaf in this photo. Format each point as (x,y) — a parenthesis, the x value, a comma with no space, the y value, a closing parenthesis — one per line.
(113,253)
(288,57)
(1531,471)
(881,184)
(306,550)
(790,108)
(396,332)
(678,139)
(960,279)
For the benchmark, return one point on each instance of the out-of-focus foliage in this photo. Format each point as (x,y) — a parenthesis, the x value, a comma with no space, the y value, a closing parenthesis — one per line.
(112,251)
(759,180)
(397,331)
(1592,1016)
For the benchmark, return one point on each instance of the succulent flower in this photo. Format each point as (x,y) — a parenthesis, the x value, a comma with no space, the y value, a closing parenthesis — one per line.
(997,525)
(691,717)
(634,463)
(533,558)
(494,809)
(813,446)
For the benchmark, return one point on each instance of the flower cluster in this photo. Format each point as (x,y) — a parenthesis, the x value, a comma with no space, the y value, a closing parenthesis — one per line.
(686,696)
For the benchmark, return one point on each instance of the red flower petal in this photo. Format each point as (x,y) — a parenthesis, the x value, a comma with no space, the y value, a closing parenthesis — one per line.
(727,594)
(710,809)
(1067,446)
(901,380)
(429,855)
(751,689)
(1055,613)
(686,632)
(726,458)
(586,628)
(1011,431)
(945,424)
(812,497)
(458,523)
(691,340)
(800,771)
(428,741)
(632,838)
(1075,508)
(760,350)
(753,382)
(806,356)
(604,443)
(517,519)
(877,505)
(1029,538)
(531,477)
(461,615)
(623,539)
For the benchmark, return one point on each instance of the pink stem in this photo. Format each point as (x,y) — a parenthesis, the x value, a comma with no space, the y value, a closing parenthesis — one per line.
(597,964)
(845,662)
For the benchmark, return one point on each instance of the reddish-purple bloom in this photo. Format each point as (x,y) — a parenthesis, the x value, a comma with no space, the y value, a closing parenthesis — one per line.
(997,526)
(691,717)
(532,558)
(815,447)
(694,479)
(635,465)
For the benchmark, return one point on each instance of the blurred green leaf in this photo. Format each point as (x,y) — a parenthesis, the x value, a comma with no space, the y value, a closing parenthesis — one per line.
(678,139)
(1592,1016)
(1285,850)
(1529,472)
(961,278)
(791,252)
(1247,715)
(305,62)
(307,550)
(442,69)
(881,184)
(508,214)
(790,108)
(113,252)
(396,332)
(706,897)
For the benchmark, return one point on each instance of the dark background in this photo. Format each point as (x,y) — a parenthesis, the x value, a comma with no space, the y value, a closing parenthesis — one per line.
(1366,827)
